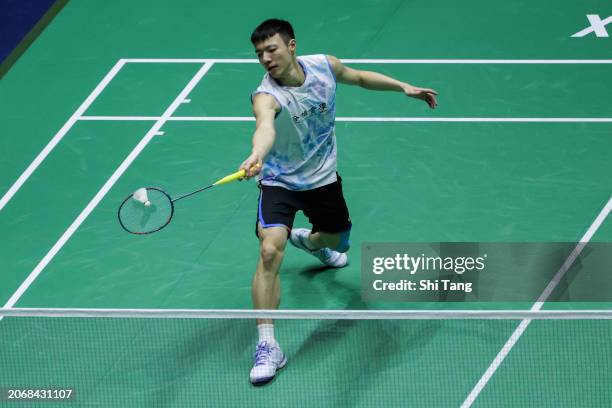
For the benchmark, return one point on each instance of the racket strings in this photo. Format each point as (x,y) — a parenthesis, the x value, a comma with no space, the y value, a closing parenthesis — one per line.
(138,218)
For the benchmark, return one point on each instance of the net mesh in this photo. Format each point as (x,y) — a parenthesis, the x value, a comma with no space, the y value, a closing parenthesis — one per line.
(138,218)
(204,361)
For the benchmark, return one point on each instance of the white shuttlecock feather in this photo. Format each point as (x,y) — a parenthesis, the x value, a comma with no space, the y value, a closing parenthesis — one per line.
(141,195)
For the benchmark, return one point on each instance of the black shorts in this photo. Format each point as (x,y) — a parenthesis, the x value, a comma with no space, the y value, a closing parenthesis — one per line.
(324,206)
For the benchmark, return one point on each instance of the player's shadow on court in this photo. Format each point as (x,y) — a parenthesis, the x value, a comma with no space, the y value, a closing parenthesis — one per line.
(353,354)
(315,270)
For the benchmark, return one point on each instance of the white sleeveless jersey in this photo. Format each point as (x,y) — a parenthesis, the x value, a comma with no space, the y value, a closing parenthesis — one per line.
(303,156)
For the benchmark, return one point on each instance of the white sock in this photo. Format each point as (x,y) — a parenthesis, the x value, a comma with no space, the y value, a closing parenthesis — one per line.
(266,333)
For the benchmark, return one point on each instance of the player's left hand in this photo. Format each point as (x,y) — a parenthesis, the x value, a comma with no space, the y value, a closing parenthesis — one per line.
(425,94)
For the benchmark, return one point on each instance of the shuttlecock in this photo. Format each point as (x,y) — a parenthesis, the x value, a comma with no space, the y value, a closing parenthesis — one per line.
(141,195)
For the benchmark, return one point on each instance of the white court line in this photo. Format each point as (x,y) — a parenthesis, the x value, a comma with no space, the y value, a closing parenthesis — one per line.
(61,133)
(106,187)
(382,61)
(193,60)
(119,118)
(349,119)
(518,332)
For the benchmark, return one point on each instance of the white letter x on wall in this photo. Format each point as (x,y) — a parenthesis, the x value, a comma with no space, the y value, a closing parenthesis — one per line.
(597,25)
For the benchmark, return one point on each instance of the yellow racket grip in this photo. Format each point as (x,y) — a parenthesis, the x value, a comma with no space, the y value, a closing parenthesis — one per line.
(232,177)
(227,179)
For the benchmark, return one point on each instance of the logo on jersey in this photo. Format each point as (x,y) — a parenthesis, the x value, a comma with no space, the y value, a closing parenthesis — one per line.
(317,109)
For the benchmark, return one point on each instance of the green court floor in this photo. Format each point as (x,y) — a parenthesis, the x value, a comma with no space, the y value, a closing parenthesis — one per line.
(464,172)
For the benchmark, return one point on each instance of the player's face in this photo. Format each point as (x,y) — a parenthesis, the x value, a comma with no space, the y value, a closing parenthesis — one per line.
(274,55)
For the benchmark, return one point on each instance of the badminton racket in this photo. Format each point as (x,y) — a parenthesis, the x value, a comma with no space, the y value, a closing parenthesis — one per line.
(150,209)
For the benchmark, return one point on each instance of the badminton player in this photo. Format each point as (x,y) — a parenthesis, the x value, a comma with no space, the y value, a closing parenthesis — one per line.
(295,145)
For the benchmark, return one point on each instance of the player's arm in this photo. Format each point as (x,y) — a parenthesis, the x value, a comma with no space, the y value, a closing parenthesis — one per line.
(380,82)
(265,108)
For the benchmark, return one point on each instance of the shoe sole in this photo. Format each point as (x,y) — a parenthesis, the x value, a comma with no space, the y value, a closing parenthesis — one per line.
(299,245)
(265,381)
(311,252)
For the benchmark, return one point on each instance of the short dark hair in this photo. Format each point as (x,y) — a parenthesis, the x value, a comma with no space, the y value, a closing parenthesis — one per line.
(270,28)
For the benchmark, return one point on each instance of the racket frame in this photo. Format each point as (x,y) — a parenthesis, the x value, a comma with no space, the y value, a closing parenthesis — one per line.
(130,197)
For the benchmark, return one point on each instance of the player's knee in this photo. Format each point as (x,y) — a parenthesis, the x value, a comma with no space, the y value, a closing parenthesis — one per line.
(270,252)
(344,244)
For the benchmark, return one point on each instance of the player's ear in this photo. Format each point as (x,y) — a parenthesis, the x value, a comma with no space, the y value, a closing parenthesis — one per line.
(291,45)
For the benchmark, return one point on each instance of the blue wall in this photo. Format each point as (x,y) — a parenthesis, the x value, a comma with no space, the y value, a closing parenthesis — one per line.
(17,17)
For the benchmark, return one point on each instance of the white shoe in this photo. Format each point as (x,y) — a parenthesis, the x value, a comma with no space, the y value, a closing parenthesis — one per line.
(335,259)
(268,358)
